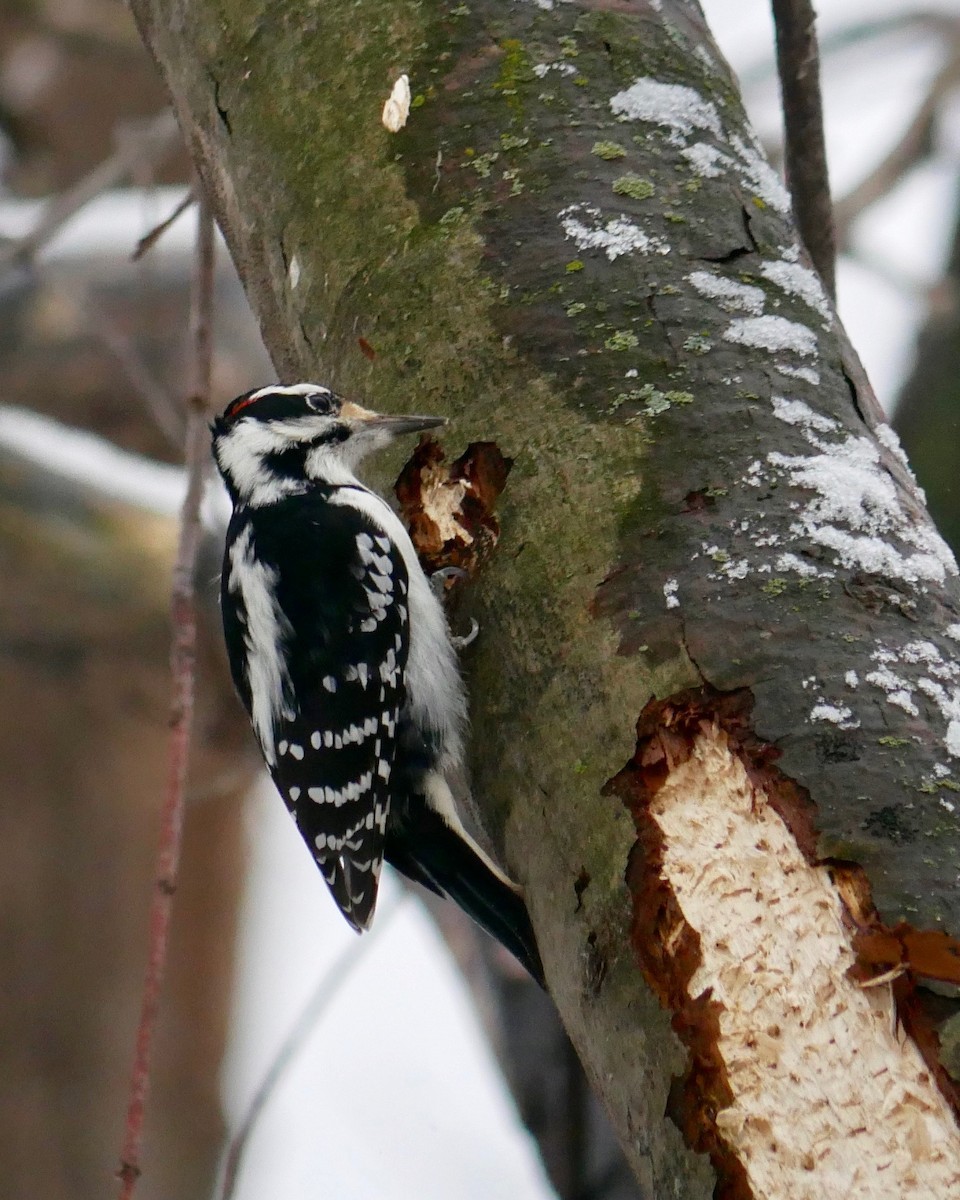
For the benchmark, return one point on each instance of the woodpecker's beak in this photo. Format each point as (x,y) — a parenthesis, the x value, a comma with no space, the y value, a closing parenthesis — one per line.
(364,418)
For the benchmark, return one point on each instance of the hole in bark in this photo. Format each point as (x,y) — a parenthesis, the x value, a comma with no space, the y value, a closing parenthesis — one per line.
(890,824)
(580,886)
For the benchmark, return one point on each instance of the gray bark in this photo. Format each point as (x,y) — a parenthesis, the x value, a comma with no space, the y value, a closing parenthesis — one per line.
(519,258)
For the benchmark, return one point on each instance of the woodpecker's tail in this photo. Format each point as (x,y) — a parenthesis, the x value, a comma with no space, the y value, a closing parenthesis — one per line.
(423,845)
(354,887)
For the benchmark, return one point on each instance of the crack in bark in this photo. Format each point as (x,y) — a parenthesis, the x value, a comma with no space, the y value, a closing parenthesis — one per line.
(221,112)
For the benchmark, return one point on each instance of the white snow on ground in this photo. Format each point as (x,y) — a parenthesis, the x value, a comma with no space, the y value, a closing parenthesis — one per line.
(109,226)
(396,1093)
(92,462)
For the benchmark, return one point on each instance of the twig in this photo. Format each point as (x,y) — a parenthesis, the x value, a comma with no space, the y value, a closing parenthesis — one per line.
(911,149)
(149,240)
(329,985)
(136,143)
(805,149)
(157,400)
(184,620)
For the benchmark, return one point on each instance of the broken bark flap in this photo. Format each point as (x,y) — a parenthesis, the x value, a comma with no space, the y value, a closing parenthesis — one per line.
(448,508)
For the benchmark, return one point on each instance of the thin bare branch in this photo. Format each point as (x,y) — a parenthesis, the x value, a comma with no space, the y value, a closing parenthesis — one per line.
(328,988)
(805,148)
(912,148)
(158,402)
(137,143)
(184,621)
(149,240)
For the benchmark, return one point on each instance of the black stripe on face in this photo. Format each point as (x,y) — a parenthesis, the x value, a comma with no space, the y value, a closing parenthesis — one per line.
(277,405)
(288,463)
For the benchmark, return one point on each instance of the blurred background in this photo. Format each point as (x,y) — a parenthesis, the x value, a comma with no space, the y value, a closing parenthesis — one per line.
(418,1061)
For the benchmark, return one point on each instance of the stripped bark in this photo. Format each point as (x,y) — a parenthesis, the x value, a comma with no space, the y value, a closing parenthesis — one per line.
(575,249)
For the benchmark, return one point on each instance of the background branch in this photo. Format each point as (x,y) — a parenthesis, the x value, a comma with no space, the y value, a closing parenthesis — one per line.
(805,150)
(912,148)
(184,620)
(138,143)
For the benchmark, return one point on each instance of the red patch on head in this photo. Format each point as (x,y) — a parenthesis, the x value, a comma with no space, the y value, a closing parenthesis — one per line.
(238,405)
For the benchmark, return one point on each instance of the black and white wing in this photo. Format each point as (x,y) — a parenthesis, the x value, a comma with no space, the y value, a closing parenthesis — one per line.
(314,599)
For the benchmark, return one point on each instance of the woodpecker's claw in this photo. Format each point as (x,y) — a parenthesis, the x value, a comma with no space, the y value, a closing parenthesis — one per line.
(438,579)
(467,638)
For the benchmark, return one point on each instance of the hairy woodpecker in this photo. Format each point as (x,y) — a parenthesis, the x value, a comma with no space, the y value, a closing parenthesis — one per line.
(341,653)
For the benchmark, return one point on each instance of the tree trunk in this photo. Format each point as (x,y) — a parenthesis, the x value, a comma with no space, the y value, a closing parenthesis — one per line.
(714,701)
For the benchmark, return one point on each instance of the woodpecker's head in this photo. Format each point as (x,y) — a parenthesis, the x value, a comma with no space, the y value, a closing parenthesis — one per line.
(276,441)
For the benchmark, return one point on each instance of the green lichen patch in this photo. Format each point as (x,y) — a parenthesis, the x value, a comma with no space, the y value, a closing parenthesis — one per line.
(510,141)
(653,400)
(634,186)
(623,339)
(608,150)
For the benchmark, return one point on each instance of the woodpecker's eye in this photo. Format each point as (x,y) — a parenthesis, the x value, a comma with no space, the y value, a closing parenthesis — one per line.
(322,402)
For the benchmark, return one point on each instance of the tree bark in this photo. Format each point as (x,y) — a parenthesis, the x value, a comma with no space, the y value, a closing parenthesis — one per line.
(714,702)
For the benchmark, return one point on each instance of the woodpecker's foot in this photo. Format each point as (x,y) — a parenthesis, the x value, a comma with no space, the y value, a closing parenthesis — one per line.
(464,640)
(438,580)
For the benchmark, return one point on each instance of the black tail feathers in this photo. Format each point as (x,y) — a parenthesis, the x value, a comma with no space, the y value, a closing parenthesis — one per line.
(422,846)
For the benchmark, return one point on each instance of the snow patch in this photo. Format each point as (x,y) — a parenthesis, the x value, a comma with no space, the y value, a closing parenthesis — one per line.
(796,280)
(856,512)
(562,68)
(807,374)
(679,108)
(799,566)
(615,238)
(773,334)
(887,438)
(761,176)
(834,714)
(707,161)
(730,294)
(795,412)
